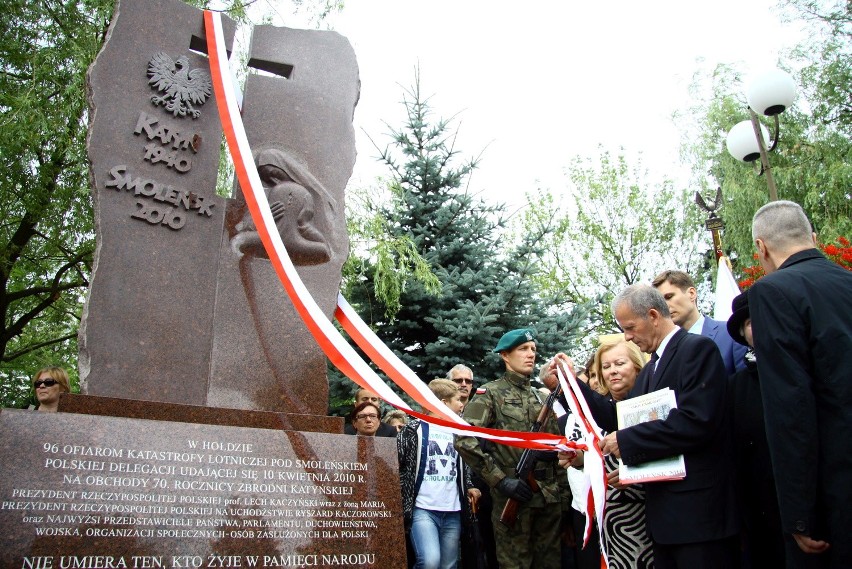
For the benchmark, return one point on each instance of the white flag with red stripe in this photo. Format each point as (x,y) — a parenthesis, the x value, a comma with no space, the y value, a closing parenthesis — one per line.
(726,290)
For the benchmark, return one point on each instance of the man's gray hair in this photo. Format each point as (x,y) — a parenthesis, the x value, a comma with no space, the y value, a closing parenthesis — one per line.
(459,368)
(640,298)
(782,225)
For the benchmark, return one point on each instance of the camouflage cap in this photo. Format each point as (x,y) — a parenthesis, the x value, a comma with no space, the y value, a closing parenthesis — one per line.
(515,338)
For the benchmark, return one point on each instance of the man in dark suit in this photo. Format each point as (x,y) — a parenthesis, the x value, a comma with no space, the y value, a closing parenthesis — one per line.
(693,522)
(802,323)
(681,296)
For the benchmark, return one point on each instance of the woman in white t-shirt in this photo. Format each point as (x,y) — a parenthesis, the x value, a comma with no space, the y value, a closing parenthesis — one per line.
(434,482)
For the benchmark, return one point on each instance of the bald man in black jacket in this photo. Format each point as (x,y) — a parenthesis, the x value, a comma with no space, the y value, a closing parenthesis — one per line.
(801,315)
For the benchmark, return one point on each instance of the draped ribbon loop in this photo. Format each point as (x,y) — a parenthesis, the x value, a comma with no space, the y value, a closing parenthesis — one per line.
(593,461)
(332,343)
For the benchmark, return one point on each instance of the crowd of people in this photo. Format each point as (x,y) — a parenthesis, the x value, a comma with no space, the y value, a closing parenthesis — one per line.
(761,416)
(761,420)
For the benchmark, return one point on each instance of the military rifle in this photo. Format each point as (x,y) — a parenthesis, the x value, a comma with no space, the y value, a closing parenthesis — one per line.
(527,462)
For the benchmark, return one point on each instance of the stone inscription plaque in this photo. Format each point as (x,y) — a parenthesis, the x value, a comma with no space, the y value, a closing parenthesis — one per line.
(88,491)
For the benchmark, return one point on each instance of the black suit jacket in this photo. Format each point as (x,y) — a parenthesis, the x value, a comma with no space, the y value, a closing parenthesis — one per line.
(802,323)
(701,507)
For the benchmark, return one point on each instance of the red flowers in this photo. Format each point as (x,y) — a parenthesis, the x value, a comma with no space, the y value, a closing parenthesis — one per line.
(752,274)
(840,253)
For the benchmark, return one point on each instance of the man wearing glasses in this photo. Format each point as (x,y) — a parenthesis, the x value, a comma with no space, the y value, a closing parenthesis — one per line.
(462,376)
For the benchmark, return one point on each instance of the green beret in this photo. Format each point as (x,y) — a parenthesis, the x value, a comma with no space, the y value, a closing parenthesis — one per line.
(515,338)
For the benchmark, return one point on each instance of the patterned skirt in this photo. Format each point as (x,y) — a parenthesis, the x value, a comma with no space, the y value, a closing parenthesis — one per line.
(626,540)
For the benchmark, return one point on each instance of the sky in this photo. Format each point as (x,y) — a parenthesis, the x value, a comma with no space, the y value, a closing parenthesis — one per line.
(532,85)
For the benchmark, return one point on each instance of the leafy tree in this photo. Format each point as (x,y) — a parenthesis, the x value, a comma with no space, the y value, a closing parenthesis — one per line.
(47,235)
(46,218)
(812,164)
(319,10)
(487,283)
(826,77)
(394,257)
(615,228)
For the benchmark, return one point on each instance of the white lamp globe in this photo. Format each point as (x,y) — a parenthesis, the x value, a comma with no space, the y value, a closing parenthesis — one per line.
(771,93)
(742,144)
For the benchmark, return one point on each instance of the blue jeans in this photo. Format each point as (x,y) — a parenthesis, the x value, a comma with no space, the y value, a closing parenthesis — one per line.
(435,538)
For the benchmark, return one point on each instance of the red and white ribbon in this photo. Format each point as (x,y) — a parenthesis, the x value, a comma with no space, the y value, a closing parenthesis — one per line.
(382,356)
(593,462)
(335,347)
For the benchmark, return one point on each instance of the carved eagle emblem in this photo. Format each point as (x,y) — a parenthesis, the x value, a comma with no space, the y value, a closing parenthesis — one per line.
(181,87)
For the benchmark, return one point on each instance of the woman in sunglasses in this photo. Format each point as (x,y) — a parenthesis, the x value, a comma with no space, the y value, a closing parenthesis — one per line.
(49,383)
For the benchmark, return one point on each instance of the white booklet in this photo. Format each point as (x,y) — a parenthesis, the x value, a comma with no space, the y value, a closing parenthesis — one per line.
(649,407)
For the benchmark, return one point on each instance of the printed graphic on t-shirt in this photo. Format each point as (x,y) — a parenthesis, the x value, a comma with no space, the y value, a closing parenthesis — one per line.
(439,489)
(441,463)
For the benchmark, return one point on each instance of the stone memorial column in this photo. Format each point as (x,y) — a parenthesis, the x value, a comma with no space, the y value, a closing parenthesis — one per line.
(201,440)
(147,330)
(298,118)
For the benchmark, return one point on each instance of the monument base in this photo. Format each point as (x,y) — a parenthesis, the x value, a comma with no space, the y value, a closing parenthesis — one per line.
(120,483)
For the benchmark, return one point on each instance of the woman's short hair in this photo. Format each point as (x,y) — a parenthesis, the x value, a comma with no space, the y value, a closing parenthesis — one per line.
(395,414)
(443,388)
(633,352)
(56,373)
(590,365)
(595,369)
(359,408)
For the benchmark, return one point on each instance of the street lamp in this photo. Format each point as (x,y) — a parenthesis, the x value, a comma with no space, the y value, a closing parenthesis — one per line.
(769,94)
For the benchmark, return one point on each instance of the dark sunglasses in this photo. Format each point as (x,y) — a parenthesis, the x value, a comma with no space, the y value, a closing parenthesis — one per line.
(463,380)
(45,382)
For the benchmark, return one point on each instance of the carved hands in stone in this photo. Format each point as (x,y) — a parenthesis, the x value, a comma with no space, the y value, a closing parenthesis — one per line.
(300,207)
(293,210)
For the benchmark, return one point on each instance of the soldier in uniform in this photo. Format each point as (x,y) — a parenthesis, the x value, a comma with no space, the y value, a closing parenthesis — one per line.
(510,403)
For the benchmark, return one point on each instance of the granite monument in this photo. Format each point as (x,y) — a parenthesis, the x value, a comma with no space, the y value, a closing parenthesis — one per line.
(200,439)
(183,297)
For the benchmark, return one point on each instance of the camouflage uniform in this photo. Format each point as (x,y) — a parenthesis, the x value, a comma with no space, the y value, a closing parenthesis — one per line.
(511,404)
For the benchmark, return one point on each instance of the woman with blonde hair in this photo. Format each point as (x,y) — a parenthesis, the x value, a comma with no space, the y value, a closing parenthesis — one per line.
(396,419)
(626,540)
(49,383)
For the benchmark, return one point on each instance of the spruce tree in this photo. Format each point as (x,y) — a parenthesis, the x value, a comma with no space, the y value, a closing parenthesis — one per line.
(487,284)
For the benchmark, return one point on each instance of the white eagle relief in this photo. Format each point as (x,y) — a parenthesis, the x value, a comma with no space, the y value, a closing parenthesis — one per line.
(181,87)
